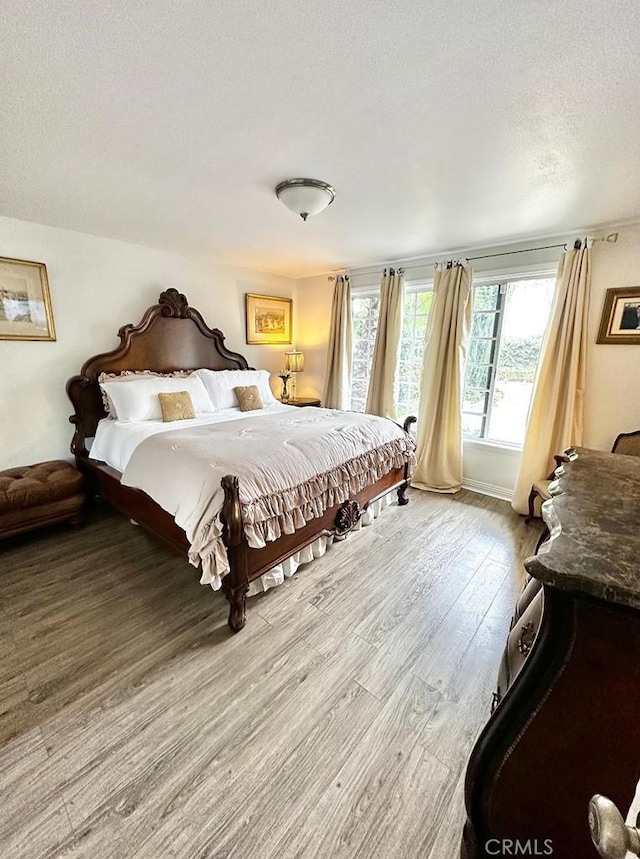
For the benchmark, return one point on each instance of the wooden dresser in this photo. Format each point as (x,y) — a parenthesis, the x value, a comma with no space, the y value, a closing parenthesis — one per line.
(566,713)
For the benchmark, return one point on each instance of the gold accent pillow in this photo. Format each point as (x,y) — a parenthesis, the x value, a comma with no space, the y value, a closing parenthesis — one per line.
(176,406)
(248,398)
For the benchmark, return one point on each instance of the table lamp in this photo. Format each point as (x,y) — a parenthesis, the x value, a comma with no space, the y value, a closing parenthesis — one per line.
(294,363)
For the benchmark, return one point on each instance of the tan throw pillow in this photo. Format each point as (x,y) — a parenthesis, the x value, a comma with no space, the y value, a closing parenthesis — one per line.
(248,398)
(176,406)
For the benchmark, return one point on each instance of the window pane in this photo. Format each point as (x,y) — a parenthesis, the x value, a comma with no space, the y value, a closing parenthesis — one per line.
(365,320)
(518,315)
(409,305)
(474,401)
(423,302)
(359,388)
(482,324)
(480,351)
(419,336)
(485,297)
(364,310)
(414,323)
(365,306)
(526,312)
(472,425)
(407,323)
(478,376)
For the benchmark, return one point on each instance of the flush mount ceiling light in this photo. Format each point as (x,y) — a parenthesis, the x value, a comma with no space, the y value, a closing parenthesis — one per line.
(305,197)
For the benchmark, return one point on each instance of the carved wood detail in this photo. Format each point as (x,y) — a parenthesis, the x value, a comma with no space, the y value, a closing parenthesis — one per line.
(348,517)
(231,511)
(174,303)
(402,494)
(408,422)
(237,598)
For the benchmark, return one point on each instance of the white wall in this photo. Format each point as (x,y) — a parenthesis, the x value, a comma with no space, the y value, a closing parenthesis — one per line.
(313,316)
(613,372)
(613,380)
(96,286)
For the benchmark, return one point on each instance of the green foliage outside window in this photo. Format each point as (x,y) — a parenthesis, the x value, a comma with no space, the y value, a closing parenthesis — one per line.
(518,359)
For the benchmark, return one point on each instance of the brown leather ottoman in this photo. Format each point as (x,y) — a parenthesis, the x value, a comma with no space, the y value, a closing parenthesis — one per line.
(38,495)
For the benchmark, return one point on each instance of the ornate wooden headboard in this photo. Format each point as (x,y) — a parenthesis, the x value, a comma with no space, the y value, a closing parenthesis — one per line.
(170,336)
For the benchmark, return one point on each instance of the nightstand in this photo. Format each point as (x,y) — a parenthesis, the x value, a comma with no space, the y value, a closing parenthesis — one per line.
(303,401)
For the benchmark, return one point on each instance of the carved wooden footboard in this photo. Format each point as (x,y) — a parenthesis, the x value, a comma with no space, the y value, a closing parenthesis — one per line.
(248,564)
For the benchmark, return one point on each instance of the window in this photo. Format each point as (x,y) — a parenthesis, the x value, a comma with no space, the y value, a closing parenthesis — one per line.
(417,304)
(508,323)
(364,310)
(364,318)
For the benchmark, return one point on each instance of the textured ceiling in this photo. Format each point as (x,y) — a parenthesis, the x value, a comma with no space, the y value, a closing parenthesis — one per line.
(440,124)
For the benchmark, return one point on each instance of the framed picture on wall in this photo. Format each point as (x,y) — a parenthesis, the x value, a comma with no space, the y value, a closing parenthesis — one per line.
(25,304)
(268,319)
(621,316)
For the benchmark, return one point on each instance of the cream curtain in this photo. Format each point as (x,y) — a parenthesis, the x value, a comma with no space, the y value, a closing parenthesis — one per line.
(439,442)
(381,393)
(337,388)
(557,407)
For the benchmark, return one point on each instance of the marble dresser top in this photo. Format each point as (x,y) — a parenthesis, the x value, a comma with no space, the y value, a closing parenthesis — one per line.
(594,523)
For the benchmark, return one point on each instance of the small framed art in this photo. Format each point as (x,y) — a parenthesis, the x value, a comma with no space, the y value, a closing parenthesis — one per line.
(620,321)
(268,319)
(25,304)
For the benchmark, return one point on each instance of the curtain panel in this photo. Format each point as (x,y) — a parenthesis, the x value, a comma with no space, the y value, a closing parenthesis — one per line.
(439,441)
(381,391)
(557,406)
(337,388)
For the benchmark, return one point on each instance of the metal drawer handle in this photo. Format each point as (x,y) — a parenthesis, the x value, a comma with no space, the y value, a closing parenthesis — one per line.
(610,834)
(495,700)
(525,642)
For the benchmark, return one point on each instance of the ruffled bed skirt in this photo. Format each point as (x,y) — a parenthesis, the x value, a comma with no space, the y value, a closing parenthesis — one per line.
(276,575)
(267,518)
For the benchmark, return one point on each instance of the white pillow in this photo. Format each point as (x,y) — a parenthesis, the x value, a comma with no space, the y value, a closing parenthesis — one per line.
(127,376)
(137,399)
(220,385)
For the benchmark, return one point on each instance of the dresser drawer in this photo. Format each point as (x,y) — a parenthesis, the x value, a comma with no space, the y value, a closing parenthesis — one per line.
(520,641)
(529,592)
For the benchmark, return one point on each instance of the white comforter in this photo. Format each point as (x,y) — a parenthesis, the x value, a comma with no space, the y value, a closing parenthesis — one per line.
(116,441)
(292,465)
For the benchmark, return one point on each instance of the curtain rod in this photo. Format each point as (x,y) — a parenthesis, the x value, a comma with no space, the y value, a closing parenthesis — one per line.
(612,237)
(469,259)
(525,251)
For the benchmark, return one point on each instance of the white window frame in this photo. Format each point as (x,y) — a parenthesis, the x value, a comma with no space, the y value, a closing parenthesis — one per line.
(501,278)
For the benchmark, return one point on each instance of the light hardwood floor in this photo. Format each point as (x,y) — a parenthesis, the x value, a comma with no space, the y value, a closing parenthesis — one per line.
(337,724)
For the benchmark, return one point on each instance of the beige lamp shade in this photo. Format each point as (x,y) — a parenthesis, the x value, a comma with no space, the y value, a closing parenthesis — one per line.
(294,361)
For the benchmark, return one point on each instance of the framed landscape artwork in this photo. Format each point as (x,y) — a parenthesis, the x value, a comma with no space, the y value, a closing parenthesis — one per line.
(25,305)
(621,316)
(268,319)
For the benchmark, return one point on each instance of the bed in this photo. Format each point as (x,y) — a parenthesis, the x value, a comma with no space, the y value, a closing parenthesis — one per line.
(172,337)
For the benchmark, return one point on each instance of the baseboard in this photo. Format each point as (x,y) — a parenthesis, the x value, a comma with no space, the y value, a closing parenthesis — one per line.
(488,489)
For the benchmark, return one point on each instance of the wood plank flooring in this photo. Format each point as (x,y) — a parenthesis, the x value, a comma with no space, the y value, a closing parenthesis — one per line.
(337,724)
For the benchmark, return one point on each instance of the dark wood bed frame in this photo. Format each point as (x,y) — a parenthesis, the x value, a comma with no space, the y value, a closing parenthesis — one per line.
(173,336)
